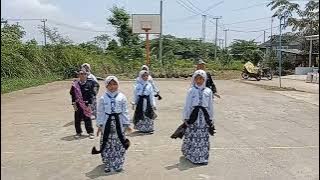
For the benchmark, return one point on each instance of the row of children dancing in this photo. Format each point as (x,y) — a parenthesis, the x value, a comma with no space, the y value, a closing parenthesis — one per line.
(113,121)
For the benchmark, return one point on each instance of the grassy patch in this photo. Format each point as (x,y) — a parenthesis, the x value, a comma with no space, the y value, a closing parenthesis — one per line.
(9,85)
(227,74)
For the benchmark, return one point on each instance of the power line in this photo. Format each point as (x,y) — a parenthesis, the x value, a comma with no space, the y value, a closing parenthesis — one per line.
(258,37)
(249,20)
(184,19)
(252,31)
(24,19)
(56,23)
(37,19)
(187,7)
(248,7)
(78,28)
(213,6)
(194,5)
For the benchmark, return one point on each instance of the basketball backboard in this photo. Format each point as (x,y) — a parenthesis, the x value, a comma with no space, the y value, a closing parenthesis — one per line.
(146,22)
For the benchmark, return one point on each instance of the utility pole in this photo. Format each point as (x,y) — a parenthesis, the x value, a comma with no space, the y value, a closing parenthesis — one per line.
(225,38)
(282,26)
(160,37)
(42,20)
(204,19)
(44,31)
(264,36)
(216,37)
(271,38)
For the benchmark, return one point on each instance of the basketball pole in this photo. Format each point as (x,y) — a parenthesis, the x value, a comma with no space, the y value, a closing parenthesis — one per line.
(147,47)
(160,37)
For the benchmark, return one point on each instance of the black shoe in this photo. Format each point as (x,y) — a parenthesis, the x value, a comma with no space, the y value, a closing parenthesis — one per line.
(107,170)
(203,164)
(118,170)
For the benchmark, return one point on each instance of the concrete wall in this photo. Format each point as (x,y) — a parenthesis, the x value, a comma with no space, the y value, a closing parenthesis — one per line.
(303,70)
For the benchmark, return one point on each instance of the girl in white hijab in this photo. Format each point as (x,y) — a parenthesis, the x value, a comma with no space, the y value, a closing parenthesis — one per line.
(198,120)
(144,114)
(150,79)
(88,69)
(113,120)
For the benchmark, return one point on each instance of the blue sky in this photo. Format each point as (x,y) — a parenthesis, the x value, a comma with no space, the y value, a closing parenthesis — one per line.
(87,16)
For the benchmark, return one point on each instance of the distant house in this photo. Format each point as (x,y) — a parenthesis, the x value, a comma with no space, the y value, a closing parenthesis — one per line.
(292,48)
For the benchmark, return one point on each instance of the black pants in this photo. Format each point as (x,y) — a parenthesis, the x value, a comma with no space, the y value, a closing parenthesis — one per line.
(78,116)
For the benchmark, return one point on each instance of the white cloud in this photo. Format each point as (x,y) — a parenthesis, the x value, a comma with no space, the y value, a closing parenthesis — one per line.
(38,9)
(29,8)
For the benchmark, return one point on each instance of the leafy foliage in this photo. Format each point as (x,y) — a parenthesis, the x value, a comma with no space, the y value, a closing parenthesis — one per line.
(120,20)
(246,51)
(26,64)
(305,21)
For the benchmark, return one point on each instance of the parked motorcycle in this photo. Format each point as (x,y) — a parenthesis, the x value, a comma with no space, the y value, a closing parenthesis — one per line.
(266,72)
(246,74)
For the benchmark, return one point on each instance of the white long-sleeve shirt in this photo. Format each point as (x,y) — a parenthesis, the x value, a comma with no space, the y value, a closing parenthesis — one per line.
(105,107)
(145,89)
(198,97)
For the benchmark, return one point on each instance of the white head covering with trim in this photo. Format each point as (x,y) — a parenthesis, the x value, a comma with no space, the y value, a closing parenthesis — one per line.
(200,73)
(108,80)
(86,64)
(145,66)
(141,73)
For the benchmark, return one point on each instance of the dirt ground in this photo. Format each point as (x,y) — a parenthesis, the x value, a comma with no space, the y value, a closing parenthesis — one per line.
(261,135)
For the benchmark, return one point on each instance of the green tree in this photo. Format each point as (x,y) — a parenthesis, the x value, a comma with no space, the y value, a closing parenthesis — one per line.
(120,20)
(101,41)
(245,50)
(112,45)
(55,37)
(305,21)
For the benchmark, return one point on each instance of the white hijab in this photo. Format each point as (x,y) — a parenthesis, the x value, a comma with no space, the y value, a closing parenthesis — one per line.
(145,66)
(89,68)
(201,73)
(141,73)
(108,80)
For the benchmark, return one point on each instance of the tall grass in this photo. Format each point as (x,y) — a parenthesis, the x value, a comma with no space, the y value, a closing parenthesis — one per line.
(14,84)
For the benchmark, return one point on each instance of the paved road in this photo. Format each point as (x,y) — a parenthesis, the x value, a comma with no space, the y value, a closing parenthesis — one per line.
(261,135)
(288,82)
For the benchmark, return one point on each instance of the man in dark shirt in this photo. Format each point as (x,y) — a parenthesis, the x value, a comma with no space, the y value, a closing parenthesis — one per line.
(210,84)
(87,91)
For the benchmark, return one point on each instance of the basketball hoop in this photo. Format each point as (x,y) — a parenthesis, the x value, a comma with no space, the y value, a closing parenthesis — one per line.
(146,24)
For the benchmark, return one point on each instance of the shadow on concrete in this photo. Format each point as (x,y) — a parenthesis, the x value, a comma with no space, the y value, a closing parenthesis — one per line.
(138,133)
(72,138)
(69,124)
(99,172)
(72,123)
(183,165)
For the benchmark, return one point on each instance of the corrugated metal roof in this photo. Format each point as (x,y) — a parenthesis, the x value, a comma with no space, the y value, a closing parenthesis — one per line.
(293,51)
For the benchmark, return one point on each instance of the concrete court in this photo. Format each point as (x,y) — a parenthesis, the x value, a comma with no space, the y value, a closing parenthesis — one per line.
(261,135)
